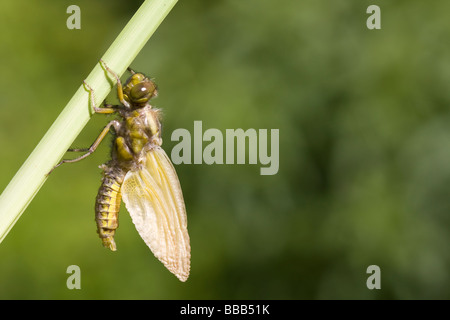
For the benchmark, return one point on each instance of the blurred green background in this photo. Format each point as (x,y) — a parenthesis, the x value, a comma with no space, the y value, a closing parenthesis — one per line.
(364,174)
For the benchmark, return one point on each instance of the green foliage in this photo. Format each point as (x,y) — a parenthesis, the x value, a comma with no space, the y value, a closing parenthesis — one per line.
(364,157)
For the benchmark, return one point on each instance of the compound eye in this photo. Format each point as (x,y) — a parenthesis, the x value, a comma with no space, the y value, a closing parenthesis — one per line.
(142,92)
(136,78)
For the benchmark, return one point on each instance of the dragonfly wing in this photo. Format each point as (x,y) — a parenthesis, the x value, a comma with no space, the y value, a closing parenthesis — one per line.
(153,197)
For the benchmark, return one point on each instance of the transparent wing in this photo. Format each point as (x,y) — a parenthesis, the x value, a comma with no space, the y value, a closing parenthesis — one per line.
(153,198)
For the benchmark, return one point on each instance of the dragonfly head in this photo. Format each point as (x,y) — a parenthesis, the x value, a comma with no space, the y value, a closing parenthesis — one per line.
(139,89)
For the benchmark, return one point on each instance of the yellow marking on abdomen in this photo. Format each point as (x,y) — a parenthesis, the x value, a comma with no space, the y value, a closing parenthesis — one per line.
(107,206)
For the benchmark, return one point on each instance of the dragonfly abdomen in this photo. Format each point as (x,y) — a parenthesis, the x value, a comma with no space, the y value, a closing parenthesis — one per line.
(107,206)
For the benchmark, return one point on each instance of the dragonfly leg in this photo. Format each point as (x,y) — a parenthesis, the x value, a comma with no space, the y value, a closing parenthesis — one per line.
(92,148)
(110,106)
(107,109)
(119,84)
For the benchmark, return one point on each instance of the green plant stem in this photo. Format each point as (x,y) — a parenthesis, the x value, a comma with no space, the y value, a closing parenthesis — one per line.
(33,173)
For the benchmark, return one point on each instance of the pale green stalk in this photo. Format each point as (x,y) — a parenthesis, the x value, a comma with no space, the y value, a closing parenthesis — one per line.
(33,173)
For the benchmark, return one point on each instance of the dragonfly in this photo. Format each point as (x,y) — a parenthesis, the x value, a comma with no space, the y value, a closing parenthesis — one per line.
(141,174)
